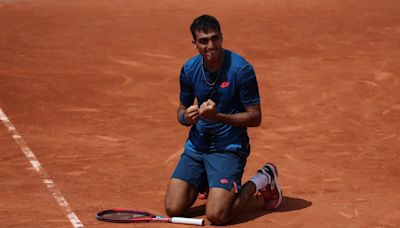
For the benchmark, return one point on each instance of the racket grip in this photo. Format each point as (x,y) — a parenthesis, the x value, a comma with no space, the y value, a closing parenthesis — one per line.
(189,221)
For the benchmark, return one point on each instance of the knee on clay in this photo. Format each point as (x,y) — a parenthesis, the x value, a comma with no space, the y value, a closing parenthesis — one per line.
(173,210)
(218,217)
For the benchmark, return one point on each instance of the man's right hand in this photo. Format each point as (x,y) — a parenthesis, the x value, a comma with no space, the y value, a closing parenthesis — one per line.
(192,114)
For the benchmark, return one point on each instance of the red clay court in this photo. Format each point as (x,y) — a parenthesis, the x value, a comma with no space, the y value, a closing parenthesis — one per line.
(90,88)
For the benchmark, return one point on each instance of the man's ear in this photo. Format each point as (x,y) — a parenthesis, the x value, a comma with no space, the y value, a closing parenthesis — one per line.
(194,43)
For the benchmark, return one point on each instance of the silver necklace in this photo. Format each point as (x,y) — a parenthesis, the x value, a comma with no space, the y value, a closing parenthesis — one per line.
(218,74)
(205,79)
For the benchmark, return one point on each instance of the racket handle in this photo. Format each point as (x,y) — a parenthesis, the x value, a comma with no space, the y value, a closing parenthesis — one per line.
(189,221)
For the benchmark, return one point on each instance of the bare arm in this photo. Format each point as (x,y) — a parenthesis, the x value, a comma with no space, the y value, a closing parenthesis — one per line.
(251,117)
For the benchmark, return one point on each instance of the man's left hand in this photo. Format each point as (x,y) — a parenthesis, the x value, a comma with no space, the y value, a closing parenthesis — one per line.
(208,110)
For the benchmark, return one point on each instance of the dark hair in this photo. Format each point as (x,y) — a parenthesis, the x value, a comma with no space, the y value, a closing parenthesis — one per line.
(205,23)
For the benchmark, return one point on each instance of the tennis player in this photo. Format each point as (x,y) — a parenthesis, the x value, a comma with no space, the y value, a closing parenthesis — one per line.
(215,153)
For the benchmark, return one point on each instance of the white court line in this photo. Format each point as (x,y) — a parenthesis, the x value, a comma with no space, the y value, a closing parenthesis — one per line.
(55,192)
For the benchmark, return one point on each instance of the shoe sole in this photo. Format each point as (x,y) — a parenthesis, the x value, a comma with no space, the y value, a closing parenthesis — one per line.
(275,173)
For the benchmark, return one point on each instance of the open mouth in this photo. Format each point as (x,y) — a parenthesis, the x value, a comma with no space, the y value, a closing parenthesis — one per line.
(211,53)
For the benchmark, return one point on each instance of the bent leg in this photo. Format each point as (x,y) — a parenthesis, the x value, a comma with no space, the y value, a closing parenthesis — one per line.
(223,205)
(179,198)
(219,205)
(244,196)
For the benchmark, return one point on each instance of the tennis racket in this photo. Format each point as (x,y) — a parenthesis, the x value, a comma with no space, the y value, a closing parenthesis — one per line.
(125,215)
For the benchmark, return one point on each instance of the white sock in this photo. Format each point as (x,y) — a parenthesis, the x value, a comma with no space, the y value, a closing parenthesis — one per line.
(260,180)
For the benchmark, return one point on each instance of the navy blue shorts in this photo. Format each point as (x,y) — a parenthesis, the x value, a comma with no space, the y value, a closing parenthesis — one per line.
(213,169)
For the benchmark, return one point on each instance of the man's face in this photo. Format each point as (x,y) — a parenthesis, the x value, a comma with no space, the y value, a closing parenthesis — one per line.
(209,45)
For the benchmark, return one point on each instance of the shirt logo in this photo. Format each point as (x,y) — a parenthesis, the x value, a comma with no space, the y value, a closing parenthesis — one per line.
(224,181)
(224,84)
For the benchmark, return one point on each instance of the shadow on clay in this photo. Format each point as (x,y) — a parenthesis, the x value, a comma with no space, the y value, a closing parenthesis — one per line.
(254,209)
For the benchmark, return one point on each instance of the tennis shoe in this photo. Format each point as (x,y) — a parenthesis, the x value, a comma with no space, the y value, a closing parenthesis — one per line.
(203,195)
(272,192)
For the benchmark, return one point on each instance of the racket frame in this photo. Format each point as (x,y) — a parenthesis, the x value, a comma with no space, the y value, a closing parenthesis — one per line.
(148,217)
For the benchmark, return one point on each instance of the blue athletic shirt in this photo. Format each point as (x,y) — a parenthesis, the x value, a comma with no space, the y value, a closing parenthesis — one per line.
(235,87)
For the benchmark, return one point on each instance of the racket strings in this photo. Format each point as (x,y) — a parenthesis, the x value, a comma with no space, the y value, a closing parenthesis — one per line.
(123,215)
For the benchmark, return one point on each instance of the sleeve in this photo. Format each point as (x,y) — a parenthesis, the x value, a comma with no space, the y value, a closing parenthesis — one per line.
(186,95)
(248,92)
